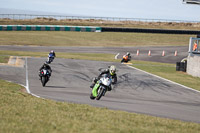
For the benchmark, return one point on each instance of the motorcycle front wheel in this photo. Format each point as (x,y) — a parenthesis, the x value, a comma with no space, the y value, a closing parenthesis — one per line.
(92,97)
(101,91)
(43,81)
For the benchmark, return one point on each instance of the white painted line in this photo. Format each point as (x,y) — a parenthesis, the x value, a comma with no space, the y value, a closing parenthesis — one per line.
(116,56)
(36,96)
(165,79)
(27,82)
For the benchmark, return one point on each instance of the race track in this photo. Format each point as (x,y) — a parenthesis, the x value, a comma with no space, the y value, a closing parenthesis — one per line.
(156,51)
(136,91)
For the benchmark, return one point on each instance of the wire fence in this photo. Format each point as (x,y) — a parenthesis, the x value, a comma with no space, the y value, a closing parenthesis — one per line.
(33,17)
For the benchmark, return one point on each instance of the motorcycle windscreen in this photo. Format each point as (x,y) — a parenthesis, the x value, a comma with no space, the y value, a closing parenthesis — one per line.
(45,72)
(107,81)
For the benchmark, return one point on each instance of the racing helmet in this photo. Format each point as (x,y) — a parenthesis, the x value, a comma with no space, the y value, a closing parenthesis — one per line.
(112,70)
(52,51)
(128,53)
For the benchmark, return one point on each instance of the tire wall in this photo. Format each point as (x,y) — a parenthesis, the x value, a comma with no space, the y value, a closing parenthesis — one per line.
(49,28)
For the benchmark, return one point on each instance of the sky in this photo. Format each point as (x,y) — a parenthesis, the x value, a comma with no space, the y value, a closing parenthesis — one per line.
(146,9)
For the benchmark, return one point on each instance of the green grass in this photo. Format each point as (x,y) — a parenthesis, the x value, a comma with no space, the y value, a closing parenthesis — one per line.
(4,59)
(21,112)
(109,39)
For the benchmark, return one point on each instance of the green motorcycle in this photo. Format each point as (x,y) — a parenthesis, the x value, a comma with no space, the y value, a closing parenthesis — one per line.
(101,87)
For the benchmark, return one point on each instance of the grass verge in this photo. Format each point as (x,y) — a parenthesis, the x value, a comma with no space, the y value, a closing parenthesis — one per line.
(4,59)
(21,112)
(85,56)
(108,39)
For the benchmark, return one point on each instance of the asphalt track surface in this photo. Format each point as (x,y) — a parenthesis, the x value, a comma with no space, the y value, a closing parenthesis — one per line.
(156,51)
(136,91)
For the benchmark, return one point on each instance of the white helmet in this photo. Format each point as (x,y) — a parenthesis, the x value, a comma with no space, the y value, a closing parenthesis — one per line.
(112,70)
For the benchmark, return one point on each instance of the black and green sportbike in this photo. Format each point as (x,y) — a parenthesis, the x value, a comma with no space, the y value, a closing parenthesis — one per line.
(101,87)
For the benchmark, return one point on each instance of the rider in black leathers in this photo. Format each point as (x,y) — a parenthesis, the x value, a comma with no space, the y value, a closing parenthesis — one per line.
(111,72)
(45,66)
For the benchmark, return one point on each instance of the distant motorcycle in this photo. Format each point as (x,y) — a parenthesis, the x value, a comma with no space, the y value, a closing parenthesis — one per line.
(125,59)
(44,76)
(101,87)
(50,58)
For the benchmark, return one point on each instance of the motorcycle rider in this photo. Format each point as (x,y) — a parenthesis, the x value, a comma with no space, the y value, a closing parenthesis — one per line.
(47,67)
(111,72)
(52,52)
(52,55)
(126,57)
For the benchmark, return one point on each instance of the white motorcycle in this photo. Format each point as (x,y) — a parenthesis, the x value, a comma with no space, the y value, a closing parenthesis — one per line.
(101,87)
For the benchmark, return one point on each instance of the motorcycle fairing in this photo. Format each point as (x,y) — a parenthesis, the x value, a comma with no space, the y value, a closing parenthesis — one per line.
(50,55)
(94,90)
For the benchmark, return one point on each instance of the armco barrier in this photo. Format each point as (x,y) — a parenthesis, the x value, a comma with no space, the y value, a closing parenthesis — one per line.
(110,29)
(49,28)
